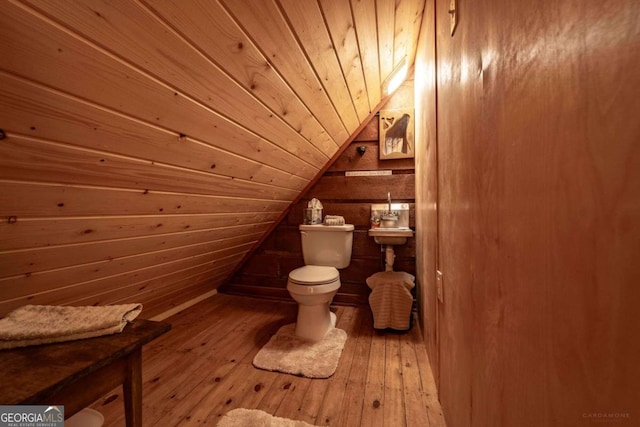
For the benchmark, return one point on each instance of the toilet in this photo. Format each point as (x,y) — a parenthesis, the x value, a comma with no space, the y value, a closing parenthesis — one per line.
(325,248)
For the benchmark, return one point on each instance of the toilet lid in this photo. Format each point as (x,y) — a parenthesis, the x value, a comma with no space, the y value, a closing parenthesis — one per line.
(314,275)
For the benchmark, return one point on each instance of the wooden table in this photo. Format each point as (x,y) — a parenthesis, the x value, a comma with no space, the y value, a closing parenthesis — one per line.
(76,373)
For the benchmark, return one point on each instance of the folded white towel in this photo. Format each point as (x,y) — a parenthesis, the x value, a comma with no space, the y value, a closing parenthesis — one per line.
(334,220)
(42,324)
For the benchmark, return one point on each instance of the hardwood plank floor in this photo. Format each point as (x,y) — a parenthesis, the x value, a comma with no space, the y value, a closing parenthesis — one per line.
(202,369)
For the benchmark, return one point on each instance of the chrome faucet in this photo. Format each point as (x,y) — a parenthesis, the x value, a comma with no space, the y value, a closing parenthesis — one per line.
(389,218)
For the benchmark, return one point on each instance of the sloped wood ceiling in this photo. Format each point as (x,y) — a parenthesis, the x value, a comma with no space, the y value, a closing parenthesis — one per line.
(148,145)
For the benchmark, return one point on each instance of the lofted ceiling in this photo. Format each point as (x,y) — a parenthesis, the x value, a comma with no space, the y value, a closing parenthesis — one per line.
(174,127)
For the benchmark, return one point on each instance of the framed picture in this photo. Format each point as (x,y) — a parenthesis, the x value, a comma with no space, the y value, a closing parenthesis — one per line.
(396,134)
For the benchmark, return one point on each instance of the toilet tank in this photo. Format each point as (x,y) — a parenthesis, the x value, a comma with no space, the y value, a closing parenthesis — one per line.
(328,245)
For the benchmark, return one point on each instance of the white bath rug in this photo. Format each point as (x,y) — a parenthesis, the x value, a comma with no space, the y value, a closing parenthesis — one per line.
(285,352)
(256,418)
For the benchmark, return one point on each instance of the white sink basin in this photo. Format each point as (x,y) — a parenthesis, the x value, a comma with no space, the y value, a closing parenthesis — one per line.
(390,236)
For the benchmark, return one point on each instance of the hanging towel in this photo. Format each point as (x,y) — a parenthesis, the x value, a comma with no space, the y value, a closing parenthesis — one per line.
(43,324)
(390,299)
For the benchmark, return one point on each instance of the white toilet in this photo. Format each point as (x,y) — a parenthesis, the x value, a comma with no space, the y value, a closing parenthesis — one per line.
(325,248)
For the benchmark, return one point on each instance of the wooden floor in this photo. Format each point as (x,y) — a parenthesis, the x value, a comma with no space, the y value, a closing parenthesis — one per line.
(202,369)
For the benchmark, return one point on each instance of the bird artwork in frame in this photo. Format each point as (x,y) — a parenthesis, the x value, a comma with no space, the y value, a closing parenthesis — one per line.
(396,134)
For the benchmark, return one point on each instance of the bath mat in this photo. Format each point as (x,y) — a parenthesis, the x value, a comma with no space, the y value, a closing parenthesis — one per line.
(285,352)
(254,417)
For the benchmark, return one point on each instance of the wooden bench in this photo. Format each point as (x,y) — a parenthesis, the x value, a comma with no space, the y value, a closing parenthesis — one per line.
(76,373)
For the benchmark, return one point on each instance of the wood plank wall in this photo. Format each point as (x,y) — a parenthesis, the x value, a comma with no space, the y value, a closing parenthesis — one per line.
(148,145)
(427,184)
(265,272)
(538,216)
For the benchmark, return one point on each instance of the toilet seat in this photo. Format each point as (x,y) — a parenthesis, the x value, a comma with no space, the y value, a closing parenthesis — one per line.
(313,275)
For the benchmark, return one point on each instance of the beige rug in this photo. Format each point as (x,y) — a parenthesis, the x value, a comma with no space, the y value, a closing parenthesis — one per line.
(256,418)
(285,352)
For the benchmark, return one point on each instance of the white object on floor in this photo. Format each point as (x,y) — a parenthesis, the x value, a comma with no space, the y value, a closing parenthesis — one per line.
(325,248)
(86,418)
(286,352)
(313,288)
(241,417)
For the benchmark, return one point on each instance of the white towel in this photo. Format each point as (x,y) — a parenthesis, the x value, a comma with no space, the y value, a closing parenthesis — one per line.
(43,324)
(334,220)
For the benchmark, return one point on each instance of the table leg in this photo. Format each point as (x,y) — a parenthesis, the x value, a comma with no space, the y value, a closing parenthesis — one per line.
(132,390)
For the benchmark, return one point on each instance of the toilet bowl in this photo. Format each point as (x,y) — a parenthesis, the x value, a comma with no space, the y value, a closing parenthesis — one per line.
(325,249)
(313,288)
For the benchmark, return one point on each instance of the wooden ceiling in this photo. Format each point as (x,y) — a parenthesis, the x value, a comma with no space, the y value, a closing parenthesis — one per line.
(218,112)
